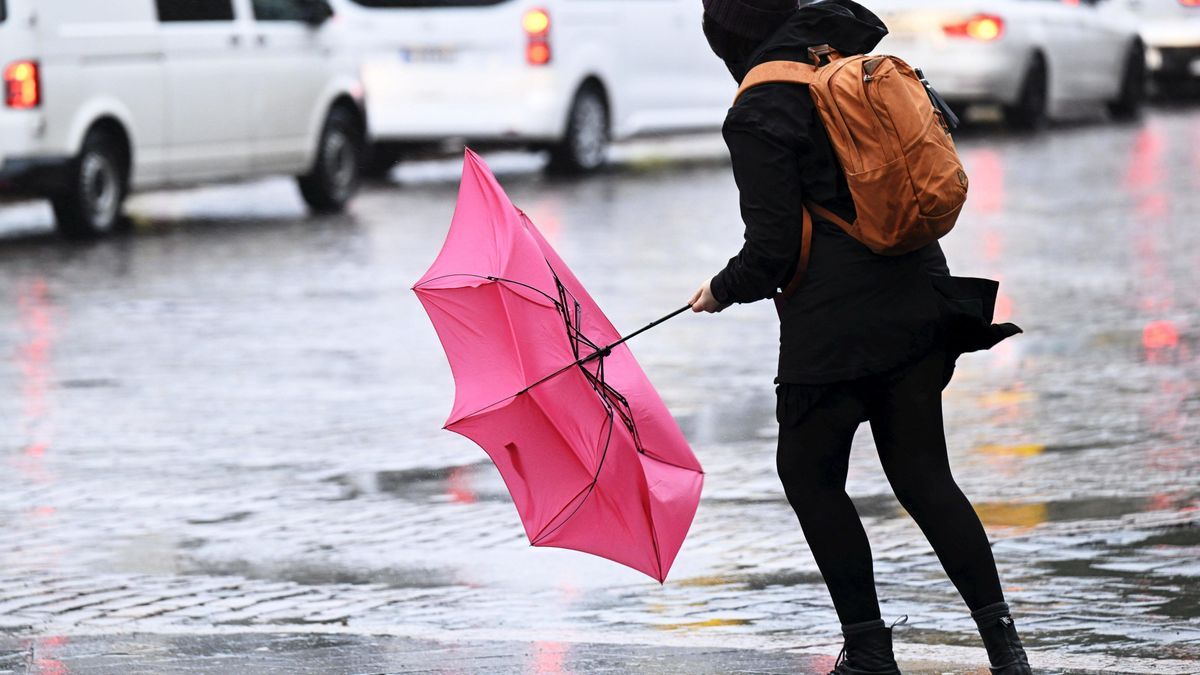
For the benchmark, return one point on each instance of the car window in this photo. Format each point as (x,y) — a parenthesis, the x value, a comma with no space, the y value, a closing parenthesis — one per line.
(279,10)
(389,4)
(194,10)
(3,12)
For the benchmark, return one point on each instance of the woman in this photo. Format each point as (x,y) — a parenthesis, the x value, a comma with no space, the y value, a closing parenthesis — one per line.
(866,337)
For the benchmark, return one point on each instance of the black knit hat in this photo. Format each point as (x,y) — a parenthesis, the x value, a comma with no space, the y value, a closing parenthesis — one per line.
(754,19)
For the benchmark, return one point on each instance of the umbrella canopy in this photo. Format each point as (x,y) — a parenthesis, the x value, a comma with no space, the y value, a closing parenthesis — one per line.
(546,386)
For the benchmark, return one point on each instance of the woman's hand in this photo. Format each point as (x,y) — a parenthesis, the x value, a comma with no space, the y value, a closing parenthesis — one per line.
(703,300)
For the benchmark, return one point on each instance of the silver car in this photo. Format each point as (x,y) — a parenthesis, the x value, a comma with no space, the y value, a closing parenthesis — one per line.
(1171,30)
(1032,57)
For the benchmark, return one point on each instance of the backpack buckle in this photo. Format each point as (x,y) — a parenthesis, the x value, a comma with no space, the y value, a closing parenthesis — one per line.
(821,55)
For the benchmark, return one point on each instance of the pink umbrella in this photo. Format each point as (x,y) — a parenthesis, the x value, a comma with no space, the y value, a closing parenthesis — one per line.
(549,389)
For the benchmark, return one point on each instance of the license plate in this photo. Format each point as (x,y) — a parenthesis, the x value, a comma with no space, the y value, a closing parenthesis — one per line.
(428,54)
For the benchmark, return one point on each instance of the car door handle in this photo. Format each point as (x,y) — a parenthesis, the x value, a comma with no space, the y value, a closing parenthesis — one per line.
(235,40)
(261,40)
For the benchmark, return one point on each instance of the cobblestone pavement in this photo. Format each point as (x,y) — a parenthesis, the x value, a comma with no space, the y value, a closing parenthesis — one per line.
(222,451)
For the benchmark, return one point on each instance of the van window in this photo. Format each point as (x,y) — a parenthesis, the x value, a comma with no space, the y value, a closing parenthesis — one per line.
(194,10)
(278,10)
(3,12)
(389,4)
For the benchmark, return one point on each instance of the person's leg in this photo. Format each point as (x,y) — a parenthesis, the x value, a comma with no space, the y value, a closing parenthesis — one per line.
(812,460)
(906,421)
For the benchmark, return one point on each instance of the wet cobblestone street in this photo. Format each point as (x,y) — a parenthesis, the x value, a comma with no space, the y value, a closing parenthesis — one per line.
(221,443)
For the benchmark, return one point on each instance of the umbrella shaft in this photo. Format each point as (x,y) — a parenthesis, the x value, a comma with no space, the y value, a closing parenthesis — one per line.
(641,330)
(605,351)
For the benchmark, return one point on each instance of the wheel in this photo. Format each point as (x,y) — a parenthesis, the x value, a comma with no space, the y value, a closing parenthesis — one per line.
(1128,104)
(335,174)
(380,161)
(585,146)
(94,189)
(1029,110)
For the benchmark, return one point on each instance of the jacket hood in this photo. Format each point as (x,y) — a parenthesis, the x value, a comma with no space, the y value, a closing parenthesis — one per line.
(844,25)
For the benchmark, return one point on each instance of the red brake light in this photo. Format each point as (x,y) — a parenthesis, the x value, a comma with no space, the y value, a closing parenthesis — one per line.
(984,27)
(22,86)
(1190,3)
(538,53)
(536,23)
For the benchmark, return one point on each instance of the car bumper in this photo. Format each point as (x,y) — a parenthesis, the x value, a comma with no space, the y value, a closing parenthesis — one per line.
(407,103)
(33,175)
(25,168)
(1173,63)
(964,72)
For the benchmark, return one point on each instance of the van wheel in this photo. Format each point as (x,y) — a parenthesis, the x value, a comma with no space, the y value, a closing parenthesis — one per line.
(1029,111)
(1128,104)
(334,177)
(94,189)
(382,158)
(585,146)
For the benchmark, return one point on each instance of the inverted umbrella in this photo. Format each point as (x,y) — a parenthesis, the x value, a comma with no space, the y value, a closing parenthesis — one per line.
(548,388)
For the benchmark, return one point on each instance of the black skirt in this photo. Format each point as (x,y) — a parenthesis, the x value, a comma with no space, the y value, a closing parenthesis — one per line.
(966,310)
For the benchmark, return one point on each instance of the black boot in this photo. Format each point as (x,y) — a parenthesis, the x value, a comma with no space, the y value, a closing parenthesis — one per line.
(867,650)
(1000,637)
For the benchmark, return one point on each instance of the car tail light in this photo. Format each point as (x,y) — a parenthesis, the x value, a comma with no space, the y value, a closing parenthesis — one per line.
(536,23)
(984,27)
(1190,3)
(538,53)
(22,85)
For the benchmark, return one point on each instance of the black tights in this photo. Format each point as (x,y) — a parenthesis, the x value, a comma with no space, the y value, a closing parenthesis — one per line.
(905,412)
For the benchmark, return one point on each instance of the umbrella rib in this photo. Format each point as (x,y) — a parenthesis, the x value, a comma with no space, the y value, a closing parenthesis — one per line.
(618,405)
(587,491)
(599,353)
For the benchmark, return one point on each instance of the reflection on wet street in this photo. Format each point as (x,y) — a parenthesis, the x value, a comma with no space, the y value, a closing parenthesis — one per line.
(232,416)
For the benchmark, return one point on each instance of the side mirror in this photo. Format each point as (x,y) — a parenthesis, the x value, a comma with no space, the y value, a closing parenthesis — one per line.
(316,12)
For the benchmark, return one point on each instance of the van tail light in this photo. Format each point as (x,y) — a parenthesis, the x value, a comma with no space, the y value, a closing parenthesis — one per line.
(982,27)
(536,23)
(22,85)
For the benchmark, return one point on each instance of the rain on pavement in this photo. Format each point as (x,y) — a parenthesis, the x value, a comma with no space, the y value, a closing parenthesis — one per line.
(230,419)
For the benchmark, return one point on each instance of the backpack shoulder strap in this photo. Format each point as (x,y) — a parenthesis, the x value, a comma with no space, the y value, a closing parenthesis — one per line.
(777,71)
(801,263)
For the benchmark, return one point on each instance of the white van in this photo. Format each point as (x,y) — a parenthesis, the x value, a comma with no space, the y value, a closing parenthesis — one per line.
(104,97)
(567,75)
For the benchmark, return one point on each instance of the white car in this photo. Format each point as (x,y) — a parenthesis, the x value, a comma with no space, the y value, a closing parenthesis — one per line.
(1029,56)
(1171,30)
(104,97)
(567,75)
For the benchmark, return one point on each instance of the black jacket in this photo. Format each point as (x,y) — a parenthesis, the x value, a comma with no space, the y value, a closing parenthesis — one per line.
(857,313)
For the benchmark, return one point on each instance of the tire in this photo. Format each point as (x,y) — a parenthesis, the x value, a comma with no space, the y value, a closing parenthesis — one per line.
(94,188)
(335,174)
(380,161)
(584,148)
(1128,104)
(1028,113)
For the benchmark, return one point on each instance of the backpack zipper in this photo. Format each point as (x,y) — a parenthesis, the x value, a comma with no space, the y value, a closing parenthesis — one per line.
(867,79)
(841,63)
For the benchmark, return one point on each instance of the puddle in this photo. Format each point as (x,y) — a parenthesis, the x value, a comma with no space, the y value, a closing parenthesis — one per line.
(235,517)
(1030,514)
(307,574)
(711,623)
(753,581)
(462,484)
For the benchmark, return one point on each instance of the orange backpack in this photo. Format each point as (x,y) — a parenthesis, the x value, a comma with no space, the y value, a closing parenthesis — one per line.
(893,143)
